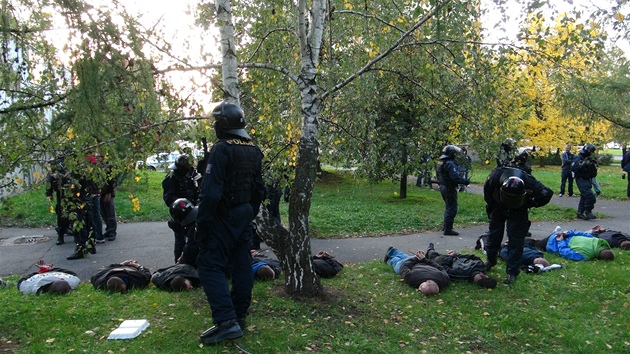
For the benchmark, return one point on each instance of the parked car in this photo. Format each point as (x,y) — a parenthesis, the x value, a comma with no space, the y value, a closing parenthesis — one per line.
(159,162)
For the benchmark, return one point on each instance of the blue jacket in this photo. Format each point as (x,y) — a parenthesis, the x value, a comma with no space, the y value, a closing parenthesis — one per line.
(564,249)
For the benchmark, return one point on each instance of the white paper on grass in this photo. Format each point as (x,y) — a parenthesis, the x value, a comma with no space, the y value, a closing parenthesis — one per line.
(129,329)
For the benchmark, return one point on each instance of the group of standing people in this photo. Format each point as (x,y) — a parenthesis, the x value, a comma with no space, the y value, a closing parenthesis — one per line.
(509,192)
(82,204)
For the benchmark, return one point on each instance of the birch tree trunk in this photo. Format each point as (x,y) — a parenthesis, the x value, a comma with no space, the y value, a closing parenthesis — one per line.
(229,62)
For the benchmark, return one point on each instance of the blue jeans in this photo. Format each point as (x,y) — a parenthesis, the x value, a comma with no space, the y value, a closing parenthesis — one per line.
(396,258)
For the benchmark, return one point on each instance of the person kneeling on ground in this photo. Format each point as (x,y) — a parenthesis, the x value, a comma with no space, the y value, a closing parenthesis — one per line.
(418,271)
(466,267)
(121,277)
(178,277)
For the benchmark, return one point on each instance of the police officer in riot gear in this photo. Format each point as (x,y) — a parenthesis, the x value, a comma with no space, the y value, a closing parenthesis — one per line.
(185,214)
(509,193)
(584,167)
(507,153)
(231,193)
(450,178)
(180,183)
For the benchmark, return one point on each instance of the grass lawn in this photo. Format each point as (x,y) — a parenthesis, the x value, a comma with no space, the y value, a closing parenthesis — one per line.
(342,206)
(581,308)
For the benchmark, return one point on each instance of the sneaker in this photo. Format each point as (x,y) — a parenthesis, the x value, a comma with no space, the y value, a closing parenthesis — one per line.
(451,233)
(101,240)
(386,258)
(111,238)
(218,333)
(509,279)
(431,247)
(560,195)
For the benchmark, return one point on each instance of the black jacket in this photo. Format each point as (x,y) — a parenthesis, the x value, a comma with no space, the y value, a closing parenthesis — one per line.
(161,278)
(416,271)
(133,277)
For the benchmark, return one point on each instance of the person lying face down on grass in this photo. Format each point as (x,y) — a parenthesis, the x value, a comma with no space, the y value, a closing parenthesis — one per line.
(48,280)
(463,267)
(576,245)
(417,271)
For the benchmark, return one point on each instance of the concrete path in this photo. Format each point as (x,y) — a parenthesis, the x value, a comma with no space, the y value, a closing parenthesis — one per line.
(151,243)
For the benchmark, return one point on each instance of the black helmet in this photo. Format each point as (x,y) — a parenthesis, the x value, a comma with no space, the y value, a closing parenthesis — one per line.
(512,193)
(588,149)
(183,211)
(449,152)
(182,163)
(230,119)
(509,144)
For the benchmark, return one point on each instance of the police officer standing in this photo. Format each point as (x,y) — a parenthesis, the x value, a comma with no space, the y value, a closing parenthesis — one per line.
(509,193)
(584,167)
(180,183)
(231,193)
(450,178)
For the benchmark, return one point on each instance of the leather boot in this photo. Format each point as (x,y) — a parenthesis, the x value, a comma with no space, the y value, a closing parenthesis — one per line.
(91,245)
(60,240)
(79,252)
(448,229)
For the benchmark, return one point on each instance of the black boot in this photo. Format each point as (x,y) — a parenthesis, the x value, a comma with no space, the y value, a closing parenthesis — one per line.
(79,252)
(60,240)
(448,229)
(91,245)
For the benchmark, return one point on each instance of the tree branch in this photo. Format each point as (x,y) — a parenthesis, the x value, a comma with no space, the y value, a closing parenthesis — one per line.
(384,54)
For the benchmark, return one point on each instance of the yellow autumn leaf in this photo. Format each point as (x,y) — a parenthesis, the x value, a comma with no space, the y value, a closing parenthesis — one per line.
(137,178)
(619,17)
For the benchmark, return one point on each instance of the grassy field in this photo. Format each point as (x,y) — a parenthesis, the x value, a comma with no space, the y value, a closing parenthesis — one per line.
(581,308)
(342,206)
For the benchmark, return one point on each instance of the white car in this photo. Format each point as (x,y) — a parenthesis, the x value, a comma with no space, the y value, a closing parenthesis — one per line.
(160,162)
